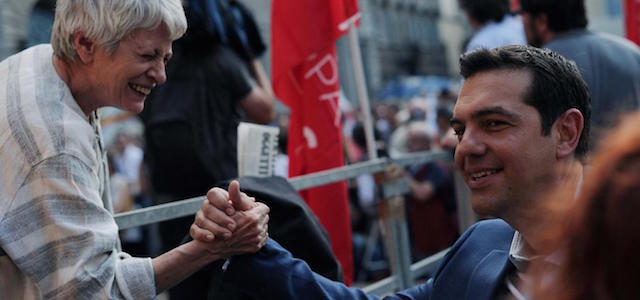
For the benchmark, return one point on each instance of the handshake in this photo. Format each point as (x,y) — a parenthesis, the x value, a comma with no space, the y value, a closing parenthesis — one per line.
(230,223)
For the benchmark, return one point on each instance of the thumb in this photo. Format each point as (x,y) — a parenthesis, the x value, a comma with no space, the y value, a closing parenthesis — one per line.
(239,203)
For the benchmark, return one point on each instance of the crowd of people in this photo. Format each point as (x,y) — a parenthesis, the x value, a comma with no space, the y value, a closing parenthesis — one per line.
(537,132)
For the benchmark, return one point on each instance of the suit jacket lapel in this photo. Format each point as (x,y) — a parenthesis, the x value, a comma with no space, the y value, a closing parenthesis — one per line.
(487,275)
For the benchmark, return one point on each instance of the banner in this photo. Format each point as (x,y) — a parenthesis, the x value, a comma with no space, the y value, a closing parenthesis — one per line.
(632,20)
(305,78)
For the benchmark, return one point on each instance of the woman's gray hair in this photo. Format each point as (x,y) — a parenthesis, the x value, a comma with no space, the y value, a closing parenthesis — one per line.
(107,22)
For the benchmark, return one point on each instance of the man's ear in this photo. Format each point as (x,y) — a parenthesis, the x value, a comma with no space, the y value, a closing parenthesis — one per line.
(567,130)
(85,47)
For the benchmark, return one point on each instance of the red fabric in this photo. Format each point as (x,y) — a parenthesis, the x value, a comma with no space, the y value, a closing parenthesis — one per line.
(305,77)
(632,20)
(515,5)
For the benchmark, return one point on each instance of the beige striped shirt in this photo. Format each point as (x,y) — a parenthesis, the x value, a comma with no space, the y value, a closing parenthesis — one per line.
(56,221)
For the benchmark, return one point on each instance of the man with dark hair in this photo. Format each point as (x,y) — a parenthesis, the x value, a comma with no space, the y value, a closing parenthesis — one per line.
(610,65)
(556,85)
(492,23)
(522,122)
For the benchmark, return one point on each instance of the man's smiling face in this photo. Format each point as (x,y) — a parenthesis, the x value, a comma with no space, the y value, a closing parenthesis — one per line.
(502,154)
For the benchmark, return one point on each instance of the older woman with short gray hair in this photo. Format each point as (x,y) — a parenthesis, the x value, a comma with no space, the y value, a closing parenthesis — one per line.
(108,22)
(57,230)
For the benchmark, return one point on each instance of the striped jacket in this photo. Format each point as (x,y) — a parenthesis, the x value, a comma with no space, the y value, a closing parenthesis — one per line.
(56,221)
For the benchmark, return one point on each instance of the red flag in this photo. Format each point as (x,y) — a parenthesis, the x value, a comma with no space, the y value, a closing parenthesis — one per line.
(632,12)
(305,78)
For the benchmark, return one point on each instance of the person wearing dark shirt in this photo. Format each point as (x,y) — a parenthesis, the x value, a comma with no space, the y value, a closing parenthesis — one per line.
(609,64)
(191,122)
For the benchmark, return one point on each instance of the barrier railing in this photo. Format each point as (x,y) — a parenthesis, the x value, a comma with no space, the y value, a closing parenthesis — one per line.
(392,216)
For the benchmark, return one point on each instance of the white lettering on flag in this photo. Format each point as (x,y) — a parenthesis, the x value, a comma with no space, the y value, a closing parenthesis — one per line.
(310,136)
(326,79)
(333,99)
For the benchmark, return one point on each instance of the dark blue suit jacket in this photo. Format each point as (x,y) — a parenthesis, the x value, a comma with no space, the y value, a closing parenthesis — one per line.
(473,269)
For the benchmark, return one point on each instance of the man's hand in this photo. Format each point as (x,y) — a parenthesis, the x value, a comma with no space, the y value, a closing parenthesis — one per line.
(231,222)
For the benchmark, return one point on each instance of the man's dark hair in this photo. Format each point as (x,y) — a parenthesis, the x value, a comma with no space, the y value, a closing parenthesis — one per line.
(485,10)
(562,15)
(556,84)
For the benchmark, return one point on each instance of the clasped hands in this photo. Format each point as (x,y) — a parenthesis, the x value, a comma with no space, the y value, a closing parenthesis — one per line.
(230,222)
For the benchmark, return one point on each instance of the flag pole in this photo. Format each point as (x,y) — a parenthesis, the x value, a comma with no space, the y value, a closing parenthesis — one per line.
(392,220)
(361,86)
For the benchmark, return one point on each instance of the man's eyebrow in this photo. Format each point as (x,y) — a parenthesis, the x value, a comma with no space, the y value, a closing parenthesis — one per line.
(498,110)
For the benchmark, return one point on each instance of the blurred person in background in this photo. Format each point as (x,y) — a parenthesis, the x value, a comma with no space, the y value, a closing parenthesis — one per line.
(446,103)
(595,241)
(444,115)
(447,98)
(431,204)
(492,23)
(119,187)
(132,239)
(363,207)
(40,22)
(414,111)
(609,64)
(126,162)
(366,189)
(191,123)
(385,120)
(127,158)
(58,235)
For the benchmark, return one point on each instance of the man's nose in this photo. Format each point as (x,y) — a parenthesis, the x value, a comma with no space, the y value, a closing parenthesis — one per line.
(471,144)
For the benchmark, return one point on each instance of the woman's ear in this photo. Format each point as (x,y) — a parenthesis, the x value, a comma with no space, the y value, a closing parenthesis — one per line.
(567,130)
(85,47)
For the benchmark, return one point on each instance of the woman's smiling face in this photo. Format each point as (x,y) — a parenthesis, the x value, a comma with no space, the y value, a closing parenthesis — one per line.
(125,77)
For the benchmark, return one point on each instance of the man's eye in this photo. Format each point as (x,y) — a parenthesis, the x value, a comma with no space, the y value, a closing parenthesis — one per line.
(458,132)
(495,124)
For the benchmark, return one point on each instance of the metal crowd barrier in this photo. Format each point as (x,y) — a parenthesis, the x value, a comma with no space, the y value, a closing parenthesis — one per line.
(391,212)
